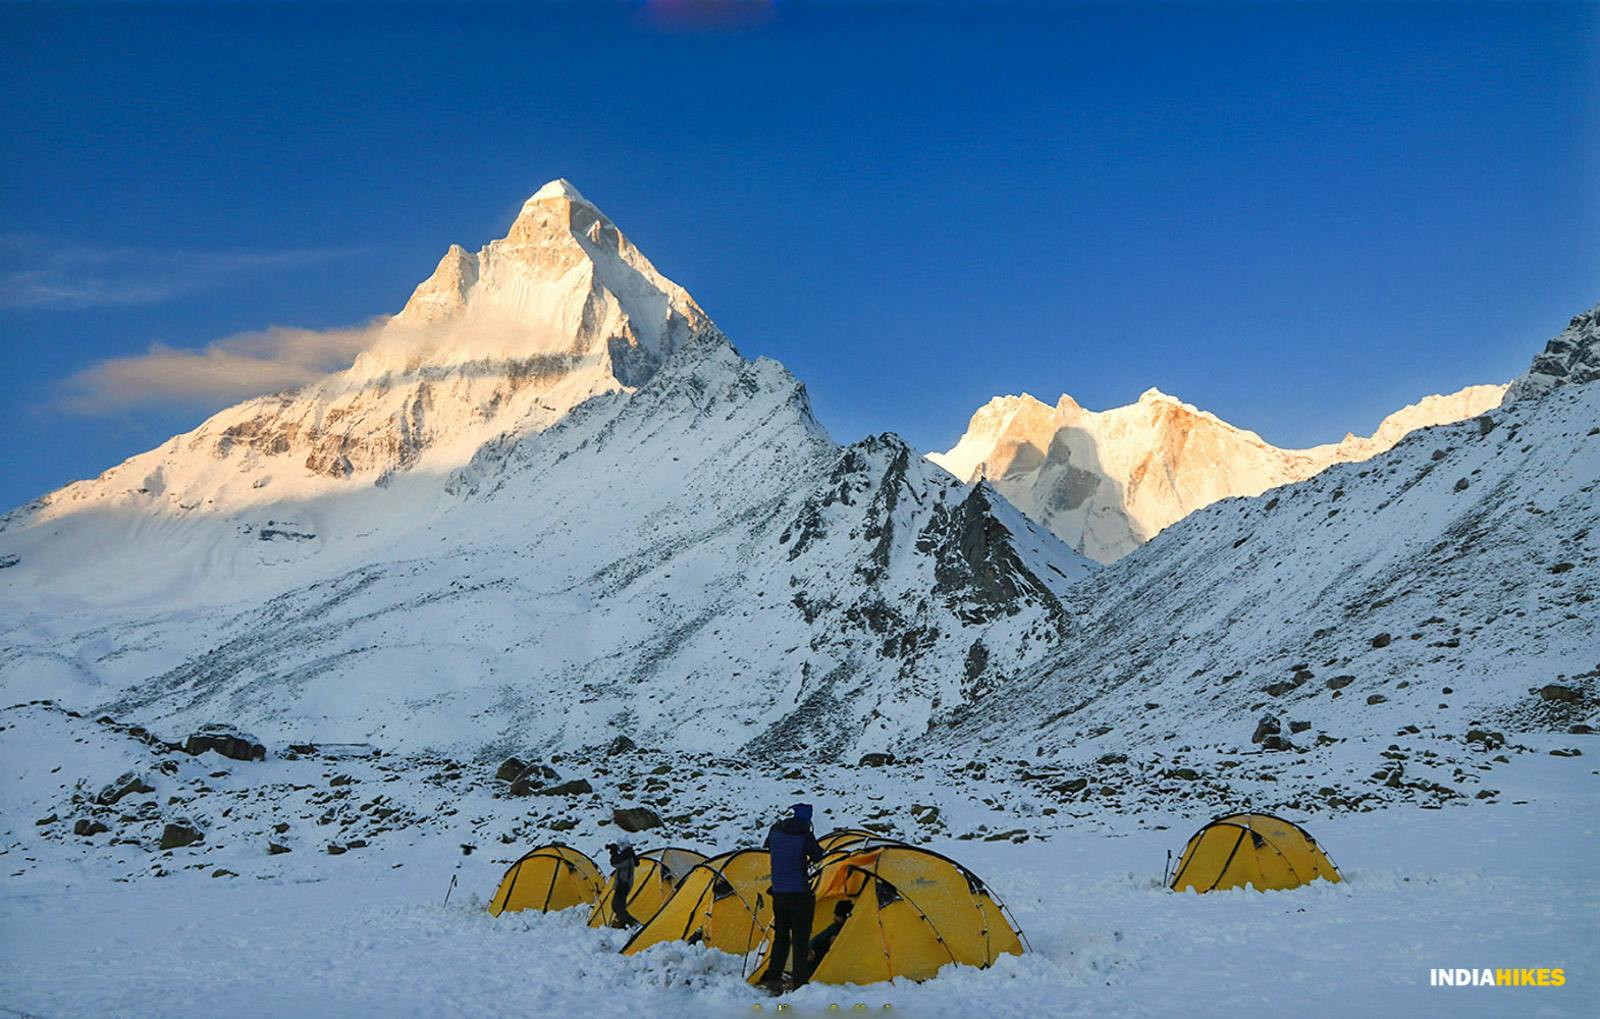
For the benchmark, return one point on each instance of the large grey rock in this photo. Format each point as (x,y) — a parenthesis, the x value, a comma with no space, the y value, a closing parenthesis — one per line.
(1268,725)
(232,743)
(576,787)
(509,769)
(178,835)
(128,783)
(635,818)
(533,778)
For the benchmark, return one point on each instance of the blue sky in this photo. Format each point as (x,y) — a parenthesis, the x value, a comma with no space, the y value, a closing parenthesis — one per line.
(1299,217)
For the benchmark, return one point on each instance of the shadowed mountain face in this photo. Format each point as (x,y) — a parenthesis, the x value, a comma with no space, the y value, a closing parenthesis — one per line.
(1105,482)
(551,503)
(1449,583)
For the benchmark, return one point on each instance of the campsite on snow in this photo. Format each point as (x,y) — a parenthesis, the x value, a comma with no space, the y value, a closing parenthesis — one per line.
(1023,750)
(1083,510)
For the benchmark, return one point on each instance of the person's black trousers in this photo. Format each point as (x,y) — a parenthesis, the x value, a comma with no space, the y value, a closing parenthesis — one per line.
(619,906)
(791,934)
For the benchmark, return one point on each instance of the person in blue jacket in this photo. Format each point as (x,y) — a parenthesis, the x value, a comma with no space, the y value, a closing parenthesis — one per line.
(793,846)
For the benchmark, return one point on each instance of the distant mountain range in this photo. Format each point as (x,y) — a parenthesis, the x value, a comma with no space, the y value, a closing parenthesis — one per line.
(1105,482)
(552,505)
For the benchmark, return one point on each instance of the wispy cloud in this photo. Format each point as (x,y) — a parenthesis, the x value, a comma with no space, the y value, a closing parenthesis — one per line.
(220,373)
(41,274)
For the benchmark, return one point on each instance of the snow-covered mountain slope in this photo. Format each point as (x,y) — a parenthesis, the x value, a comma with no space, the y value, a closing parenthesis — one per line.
(1107,481)
(508,340)
(1445,584)
(684,557)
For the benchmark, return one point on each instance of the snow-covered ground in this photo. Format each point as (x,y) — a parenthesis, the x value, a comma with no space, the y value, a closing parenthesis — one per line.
(89,926)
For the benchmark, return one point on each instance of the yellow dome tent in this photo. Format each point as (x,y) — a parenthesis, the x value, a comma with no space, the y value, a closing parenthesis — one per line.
(914,913)
(1259,850)
(655,878)
(723,903)
(842,837)
(549,878)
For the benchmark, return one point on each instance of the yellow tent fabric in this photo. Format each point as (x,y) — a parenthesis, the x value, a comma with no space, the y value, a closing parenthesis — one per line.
(655,878)
(914,913)
(1259,850)
(843,837)
(550,878)
(723,903)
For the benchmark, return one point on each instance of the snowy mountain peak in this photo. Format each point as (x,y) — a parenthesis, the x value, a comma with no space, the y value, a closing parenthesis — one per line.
(1107,481)
(507,340)
(558,188)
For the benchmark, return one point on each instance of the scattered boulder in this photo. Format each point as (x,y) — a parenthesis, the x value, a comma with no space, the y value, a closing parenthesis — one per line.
(1299,726)
(1564,694)
(334,849)
(1376,698)
(875,760)
(1105,759)
(1488,740)
(1075,785)
(1382,640)
(232,743)
(1461,484)
(52,819)
(1280,688)
(176,836)
(621,745)
(275,849)
(1566,752)
(533,778)
(509,769)
(1267,726)
(88,826)
(1276,742)
(222,872)
(127,784)
(631,819)
(1186,774)
(1339,682)
(577,787)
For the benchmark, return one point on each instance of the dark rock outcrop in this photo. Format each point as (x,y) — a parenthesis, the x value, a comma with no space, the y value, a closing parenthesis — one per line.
(631,819)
